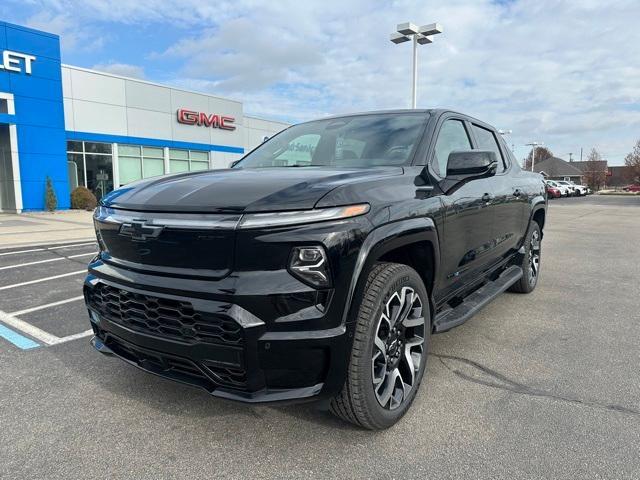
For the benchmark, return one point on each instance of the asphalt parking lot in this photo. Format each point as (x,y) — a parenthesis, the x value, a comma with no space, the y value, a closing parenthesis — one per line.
(545,385)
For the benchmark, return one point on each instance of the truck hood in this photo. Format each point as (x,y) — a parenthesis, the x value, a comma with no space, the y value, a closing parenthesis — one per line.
(240,190)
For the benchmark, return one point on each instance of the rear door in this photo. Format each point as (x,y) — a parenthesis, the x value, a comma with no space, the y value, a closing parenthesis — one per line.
(467,237)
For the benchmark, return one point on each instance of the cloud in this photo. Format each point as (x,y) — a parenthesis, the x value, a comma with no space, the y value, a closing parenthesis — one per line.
(123,69)
(186,12)
(73,34)
(562,72)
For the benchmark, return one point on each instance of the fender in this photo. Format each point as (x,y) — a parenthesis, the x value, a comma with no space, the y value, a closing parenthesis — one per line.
(384,239)
(539,202)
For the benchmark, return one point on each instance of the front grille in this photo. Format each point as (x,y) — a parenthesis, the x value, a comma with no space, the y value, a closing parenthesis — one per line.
(163,317)
(208,376)
(229,376)
(155,361)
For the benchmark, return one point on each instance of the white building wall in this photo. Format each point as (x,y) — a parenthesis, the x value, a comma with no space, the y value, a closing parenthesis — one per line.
(102,103)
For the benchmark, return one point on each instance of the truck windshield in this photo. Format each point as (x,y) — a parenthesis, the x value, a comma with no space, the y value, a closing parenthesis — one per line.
(358,141)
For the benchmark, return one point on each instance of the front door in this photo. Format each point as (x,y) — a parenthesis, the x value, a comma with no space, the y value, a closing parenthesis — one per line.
(510,202)
(466,242)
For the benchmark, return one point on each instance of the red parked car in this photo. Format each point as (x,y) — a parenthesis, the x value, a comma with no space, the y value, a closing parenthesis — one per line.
(631,188)
(553,192)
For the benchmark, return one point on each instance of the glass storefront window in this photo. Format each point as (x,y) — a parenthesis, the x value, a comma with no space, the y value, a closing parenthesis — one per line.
(152,152)
(199,156)
(188,160)
(136,162)
(94,147)
(129,150)
(152,162)
(175,154)
(74,147)
(130,169)
(99,174)
(77,160)
(199,166)
(93,164)
(178,166)
(152,167)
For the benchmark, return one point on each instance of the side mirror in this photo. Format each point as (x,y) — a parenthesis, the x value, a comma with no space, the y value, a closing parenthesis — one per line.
(470,164)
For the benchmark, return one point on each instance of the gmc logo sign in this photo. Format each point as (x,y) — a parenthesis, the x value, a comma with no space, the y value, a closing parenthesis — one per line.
(189,117)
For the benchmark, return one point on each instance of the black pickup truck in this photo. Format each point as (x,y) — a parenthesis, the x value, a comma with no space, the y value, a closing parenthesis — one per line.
(318,266)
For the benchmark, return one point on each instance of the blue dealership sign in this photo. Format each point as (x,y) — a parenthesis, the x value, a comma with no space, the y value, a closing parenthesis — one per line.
(30,70)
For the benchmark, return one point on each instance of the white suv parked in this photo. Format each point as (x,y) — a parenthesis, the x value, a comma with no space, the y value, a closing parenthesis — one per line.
(580,190)
(570,186)
(564,187)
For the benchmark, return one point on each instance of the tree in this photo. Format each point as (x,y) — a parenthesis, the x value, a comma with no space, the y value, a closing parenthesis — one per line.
(632,161)
(50,200)
(542,153)
(593,174)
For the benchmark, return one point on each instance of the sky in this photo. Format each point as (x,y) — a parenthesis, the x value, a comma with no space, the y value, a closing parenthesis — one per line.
(565,73)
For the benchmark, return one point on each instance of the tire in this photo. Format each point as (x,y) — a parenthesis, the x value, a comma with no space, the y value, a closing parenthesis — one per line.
(530,261)
(379,351)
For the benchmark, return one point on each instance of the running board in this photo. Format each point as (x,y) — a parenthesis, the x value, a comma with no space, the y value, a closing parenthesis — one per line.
(452,317)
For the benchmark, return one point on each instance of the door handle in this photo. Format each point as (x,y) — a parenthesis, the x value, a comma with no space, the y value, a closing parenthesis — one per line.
(487,197)
(517,192)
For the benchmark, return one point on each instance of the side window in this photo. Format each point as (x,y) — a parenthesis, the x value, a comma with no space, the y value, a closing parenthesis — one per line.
(452,136)
(510,157)
(487,141)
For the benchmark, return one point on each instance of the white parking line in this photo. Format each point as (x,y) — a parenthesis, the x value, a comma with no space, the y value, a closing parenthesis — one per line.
(31,282)
(35,332)
(58,247)
(47,261)
(47,305)
(75,336)
(24,251)
(38,333)
(48,248)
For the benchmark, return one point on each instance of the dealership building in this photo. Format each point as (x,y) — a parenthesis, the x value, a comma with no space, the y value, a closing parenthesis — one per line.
(81,127)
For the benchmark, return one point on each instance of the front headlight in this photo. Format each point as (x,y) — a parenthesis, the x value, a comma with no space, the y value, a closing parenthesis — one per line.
(275,219)
(310,265)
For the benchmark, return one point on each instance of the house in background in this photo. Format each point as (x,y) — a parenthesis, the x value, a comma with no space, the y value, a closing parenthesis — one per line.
(555,168)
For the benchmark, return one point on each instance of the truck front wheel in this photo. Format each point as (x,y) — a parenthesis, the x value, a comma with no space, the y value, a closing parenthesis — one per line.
(390,348)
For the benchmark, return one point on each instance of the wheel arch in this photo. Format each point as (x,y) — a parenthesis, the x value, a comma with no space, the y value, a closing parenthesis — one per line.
(538,214)
(407,242)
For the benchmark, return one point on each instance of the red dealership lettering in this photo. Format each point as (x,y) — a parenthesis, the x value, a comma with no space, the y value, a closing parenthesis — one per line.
(190,117)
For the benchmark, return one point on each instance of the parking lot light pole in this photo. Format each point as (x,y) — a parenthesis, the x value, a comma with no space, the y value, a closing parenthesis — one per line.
(418,36)
(533,146)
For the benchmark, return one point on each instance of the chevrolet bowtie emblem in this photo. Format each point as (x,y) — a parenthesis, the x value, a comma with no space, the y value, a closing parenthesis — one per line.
(139,230)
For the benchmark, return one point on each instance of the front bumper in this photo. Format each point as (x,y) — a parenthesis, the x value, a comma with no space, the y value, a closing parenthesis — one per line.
(214,345)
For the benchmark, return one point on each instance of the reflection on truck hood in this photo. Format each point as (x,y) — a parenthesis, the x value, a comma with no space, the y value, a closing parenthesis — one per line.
(240,190)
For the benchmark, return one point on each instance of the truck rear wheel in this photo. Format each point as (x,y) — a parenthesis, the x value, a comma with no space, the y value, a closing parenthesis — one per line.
(390,348)
(530,261)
